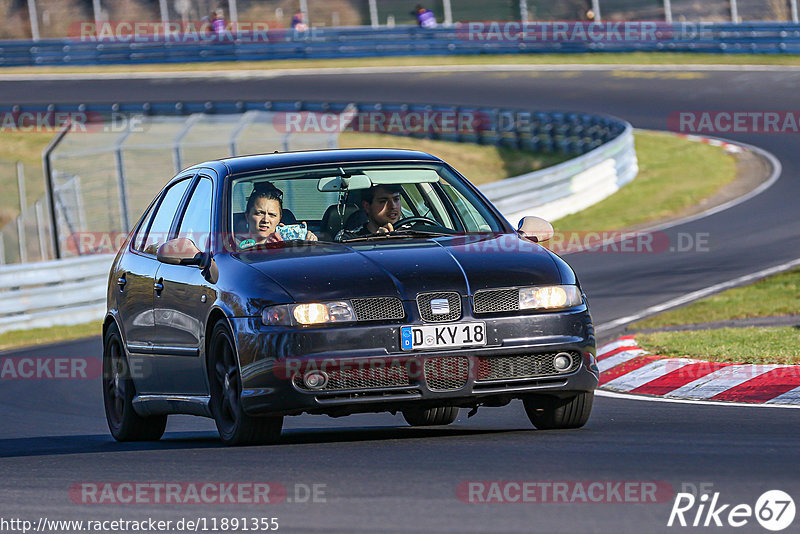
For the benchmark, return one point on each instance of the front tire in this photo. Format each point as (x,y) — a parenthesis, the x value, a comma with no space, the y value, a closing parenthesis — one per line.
(118,394)
(443,415)
(547,412)
(234,425)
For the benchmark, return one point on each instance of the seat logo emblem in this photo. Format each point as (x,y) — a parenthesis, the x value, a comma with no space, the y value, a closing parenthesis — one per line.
(440,306)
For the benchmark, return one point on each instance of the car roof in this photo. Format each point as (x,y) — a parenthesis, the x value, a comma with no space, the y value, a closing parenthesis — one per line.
(257,162)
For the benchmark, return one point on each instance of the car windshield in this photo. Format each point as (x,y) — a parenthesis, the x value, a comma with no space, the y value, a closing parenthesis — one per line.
(354,203)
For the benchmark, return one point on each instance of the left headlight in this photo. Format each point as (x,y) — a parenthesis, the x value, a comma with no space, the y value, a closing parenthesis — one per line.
(340,311)
(549,297)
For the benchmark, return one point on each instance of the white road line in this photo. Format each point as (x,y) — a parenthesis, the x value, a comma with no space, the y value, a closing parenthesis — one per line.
(720,380)
(647,398)
(647,373)
(620,357)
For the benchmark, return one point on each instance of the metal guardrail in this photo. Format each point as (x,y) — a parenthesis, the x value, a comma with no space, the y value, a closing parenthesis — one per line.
(69,291)
(73,290)
(362,41)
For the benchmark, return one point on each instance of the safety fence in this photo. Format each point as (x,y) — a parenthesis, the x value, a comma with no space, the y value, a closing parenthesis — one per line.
(93,203)
(363,41)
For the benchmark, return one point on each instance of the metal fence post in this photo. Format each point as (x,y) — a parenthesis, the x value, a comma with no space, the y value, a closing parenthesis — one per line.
(47,167)
(97,14)
(448,12)
(596,9)
(2,250)
(37,207)
(793,4)
(373,14)
(668,11)
(121,185)
(162,6)
(734,12)
(34,16)
(23,209)
(304,11)
(523,10)
(233,13)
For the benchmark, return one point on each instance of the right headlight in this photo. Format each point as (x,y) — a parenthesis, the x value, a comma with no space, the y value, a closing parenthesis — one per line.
(549,297)
(340,311)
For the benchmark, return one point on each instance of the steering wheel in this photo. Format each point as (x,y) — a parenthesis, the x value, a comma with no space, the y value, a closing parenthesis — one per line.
(410,221)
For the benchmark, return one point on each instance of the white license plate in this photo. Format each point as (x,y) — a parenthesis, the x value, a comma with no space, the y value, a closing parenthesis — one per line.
(443,336)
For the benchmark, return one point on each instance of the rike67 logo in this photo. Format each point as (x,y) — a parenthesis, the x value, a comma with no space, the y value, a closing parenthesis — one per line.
(774,510)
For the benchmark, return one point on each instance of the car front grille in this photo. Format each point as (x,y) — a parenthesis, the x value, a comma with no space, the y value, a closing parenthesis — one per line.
(426,309)
(378,309)
(395,375)
(448,373)
(496,300)
(524,366)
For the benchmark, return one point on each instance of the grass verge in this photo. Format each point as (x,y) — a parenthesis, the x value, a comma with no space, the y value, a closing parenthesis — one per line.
(776,295)
(674,175)
(41,336)
(602,58)
(737,345)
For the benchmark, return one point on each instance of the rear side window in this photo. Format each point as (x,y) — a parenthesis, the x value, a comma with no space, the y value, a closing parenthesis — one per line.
(196,222)
(158,233)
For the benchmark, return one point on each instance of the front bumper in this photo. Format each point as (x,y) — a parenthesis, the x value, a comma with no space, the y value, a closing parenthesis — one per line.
(271,358)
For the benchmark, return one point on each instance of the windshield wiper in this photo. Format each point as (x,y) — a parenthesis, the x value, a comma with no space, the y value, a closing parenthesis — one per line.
(399,233)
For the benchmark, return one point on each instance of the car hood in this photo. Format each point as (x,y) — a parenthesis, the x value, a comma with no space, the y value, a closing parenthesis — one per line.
(406,267)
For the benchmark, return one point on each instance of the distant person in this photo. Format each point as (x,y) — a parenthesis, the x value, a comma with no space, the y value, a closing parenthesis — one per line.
(298,24)
(218,22)
(425,17)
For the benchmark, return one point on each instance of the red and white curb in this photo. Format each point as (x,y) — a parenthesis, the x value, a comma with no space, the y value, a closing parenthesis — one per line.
(728,147)
(627,368)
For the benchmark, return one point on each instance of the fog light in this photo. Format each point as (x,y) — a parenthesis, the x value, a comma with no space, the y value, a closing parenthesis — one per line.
(315,379)
(562,362)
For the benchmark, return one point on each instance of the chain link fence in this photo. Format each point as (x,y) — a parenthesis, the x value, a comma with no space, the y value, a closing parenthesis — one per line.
(40,19)
(104,179)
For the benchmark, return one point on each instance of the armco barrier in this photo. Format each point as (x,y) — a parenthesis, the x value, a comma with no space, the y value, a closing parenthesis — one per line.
(464,38)
(73,290)
(69,291)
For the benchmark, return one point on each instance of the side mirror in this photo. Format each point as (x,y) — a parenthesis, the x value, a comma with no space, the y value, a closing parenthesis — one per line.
(180,251)
(535,229)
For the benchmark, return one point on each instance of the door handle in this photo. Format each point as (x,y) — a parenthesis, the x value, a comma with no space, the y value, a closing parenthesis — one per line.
(121,281)
(159,286)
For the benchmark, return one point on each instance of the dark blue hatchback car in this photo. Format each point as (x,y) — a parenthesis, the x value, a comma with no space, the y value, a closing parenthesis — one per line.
(336,282)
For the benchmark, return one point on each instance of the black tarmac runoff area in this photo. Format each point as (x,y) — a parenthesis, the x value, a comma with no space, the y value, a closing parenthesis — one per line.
(492,472)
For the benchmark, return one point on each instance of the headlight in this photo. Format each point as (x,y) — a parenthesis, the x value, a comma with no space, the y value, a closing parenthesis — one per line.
(549,297)
(309,313)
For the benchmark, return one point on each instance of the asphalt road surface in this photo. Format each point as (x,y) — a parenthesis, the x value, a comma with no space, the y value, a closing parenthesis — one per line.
(375,474)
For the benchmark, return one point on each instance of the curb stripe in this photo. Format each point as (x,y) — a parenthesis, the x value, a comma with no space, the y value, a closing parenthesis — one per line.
(720,380)
(764,387)
(617,359)
(626,368)
(617,350)
(678,377)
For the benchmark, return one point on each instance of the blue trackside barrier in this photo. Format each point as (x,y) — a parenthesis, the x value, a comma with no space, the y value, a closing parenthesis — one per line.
(461,39)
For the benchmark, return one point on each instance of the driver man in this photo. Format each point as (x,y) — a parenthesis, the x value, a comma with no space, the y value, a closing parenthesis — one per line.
(382,204)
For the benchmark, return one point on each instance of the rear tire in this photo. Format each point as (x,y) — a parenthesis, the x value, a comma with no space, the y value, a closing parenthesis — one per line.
(547,412)
(118,394)
(443,415)
(234,425)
